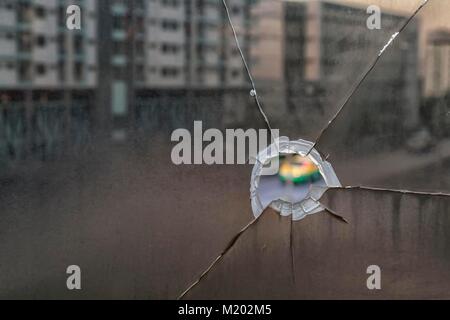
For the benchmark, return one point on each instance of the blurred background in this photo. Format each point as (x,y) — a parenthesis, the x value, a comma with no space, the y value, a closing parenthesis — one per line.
(86,118)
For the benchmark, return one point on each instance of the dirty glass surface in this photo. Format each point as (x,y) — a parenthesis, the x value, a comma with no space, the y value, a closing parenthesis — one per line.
(87,175)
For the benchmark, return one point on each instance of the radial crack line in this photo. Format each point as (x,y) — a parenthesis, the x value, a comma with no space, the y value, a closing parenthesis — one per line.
(217,260)
(333,213)
(253,93)
(368,72)
(417,193)
(291,246)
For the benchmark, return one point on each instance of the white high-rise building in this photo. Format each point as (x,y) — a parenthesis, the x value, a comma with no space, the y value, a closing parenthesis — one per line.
(159,46)
(177,43)
(37,50)
(163,55)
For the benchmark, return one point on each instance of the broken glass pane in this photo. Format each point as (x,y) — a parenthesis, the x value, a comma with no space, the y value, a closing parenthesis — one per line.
(88,116)
(402,118)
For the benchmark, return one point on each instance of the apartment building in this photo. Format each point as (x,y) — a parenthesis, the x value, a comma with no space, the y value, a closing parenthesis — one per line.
(309,54)
(48,75)
(437,78)
(178,43)
(38,52)
(132,62)
(170,55)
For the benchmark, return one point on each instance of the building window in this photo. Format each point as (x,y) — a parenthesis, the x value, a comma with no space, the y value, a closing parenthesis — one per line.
(41,41)
(78,43)
(41,69)
(169,48)
(140,73)
(170,25)
(78,71)
(170,72)
(24,71)
(40,12)
(61,71)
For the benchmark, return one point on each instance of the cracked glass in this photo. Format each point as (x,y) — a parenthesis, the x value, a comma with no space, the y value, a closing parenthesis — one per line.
(88,177)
